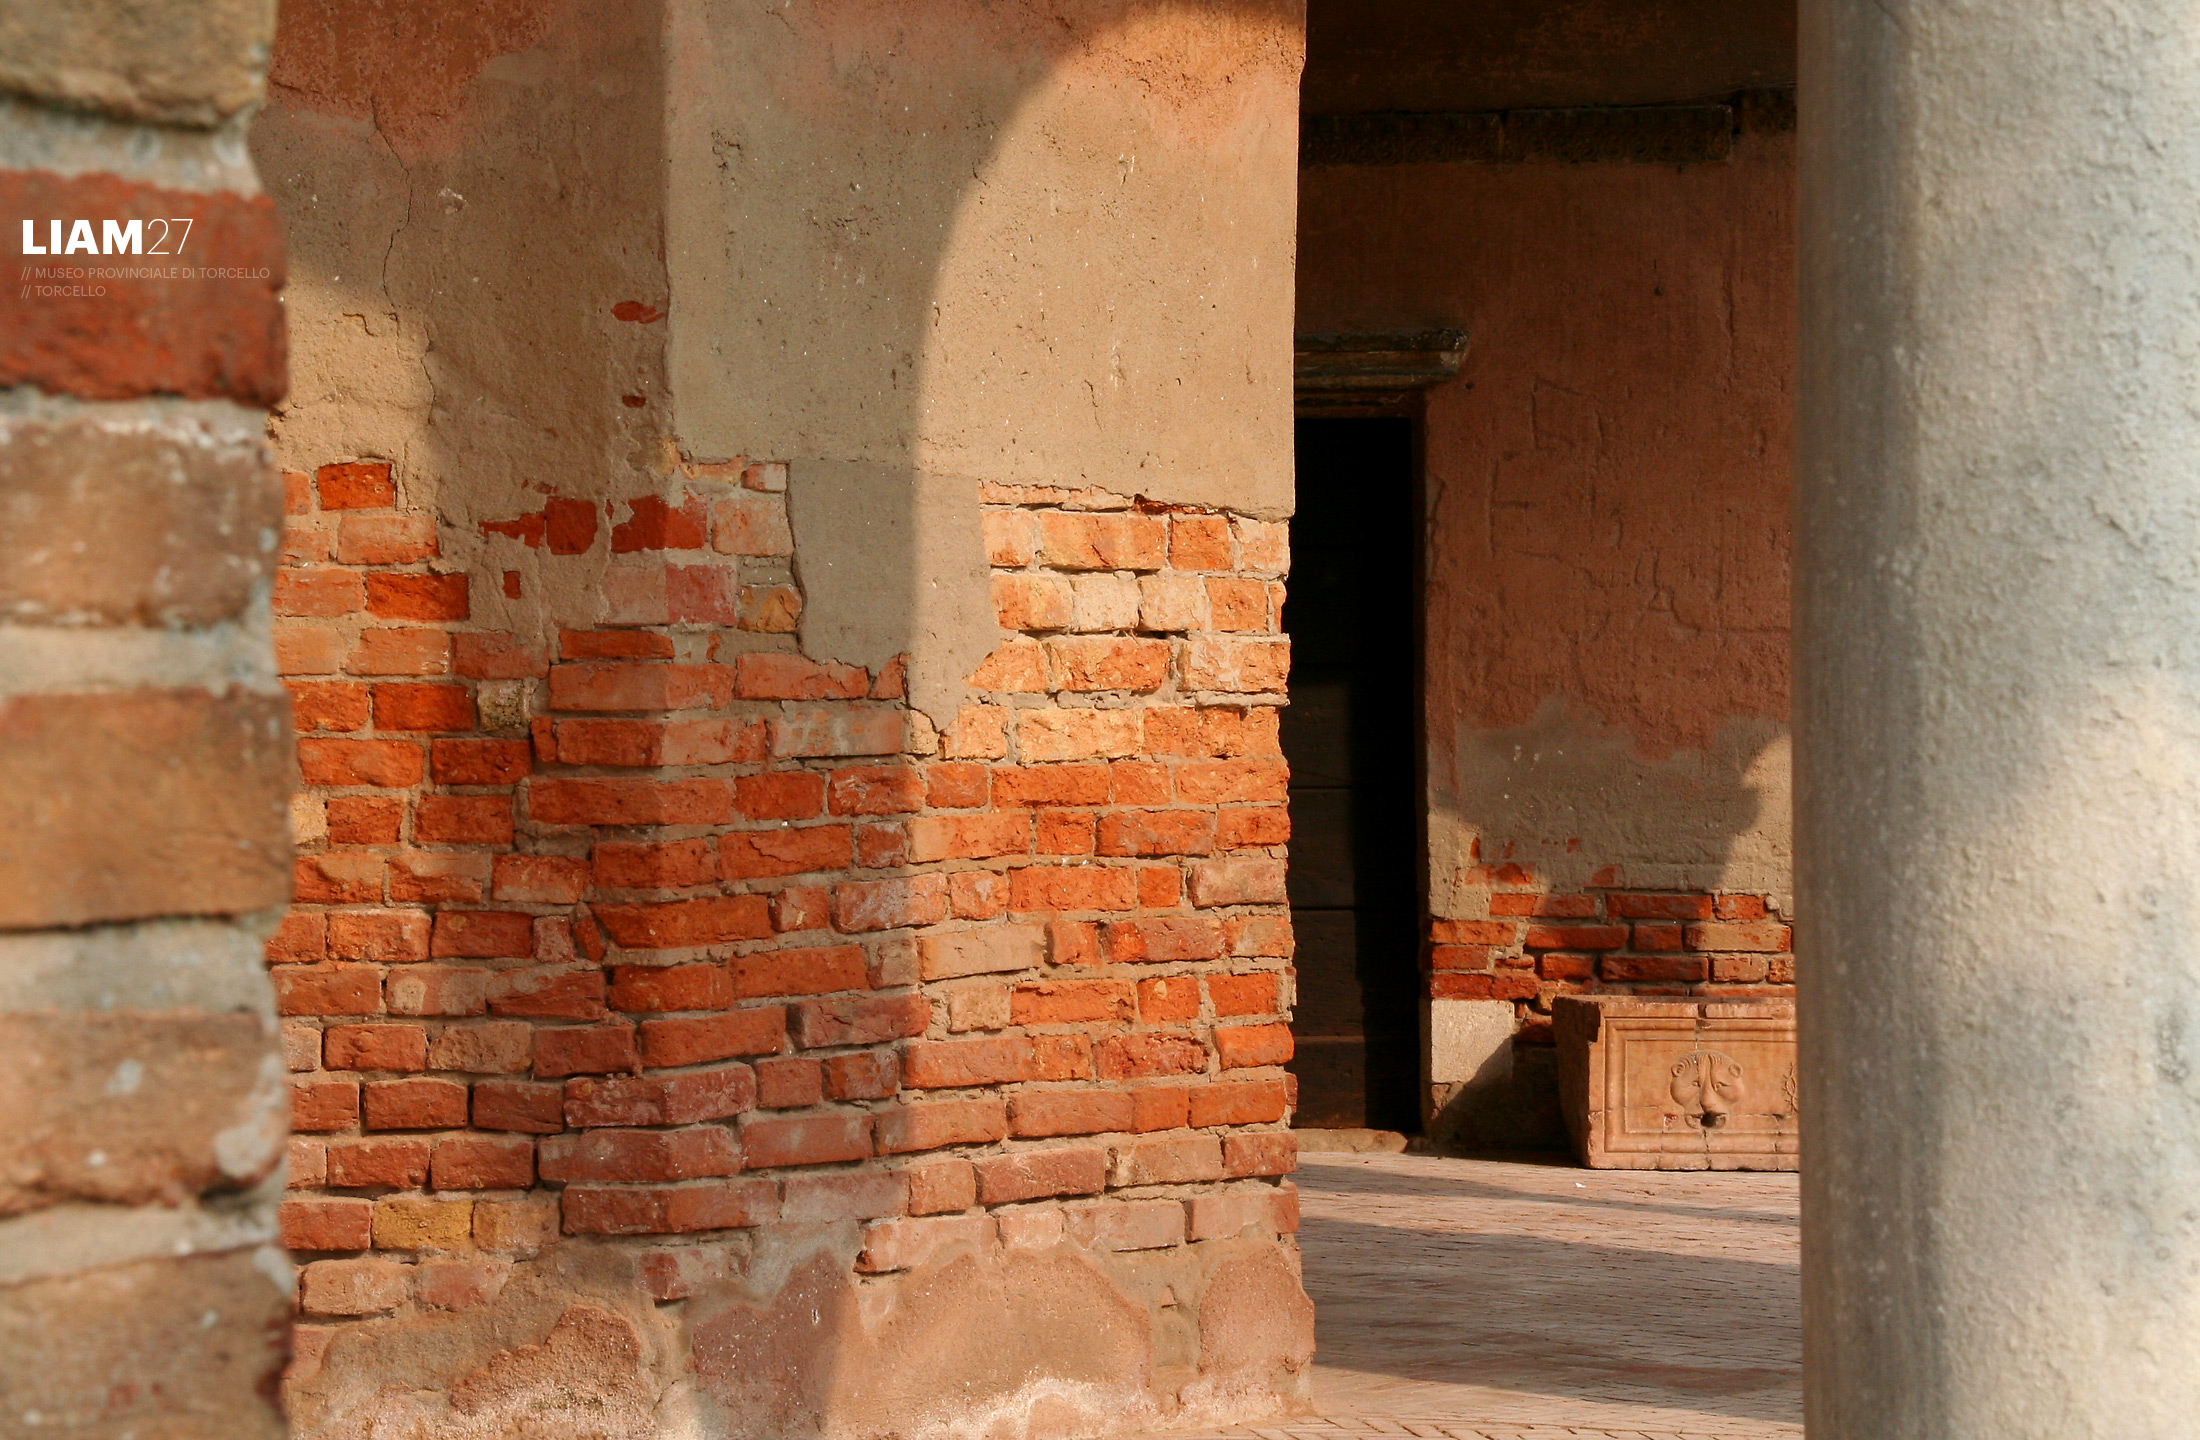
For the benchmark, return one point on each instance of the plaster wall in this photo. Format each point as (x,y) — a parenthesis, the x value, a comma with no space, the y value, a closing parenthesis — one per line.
(1606,544)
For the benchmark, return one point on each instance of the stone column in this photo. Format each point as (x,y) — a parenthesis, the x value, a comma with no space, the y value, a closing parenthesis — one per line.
(1998,720)
(145,751)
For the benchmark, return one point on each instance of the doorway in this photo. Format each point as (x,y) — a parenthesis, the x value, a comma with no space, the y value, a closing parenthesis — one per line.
(1351,734)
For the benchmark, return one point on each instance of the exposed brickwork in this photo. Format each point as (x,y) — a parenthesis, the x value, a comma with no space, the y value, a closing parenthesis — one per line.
(661,928)
(1530,945)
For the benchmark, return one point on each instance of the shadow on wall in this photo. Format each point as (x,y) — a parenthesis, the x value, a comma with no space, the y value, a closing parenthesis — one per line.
(574,270)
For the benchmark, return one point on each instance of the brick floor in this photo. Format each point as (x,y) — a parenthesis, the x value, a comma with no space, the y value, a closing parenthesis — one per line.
(1486,1300)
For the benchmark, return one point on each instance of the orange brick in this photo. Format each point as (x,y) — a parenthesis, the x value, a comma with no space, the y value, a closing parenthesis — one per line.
(863,1075)
(1034,888)
(674,864)
(385,539)
(325,1222)
(636,685)
(1168,939)
(356,485)
(1127,1057)
(1035,1113)
(967,837)
(1245,1102)
(493,655)
(538,879)
(327,706)
(801,907)
(1254,780)
(585,1050)
(392,1163)
(669,987)
(317,594)
(882,845)
(417,597)
(1066,784)
(1239,1046)
(482,935)
(1199,542)
(1157,832)
(337,879)
(301,937)
(977,894)
(328,989)
(1241,828)
(959,785)
(1073,541)
(1038,1174)
(572,801)
(386,936)
(364,820)
(322,1104)
(1095,663)
(1242,994)
(889,904)
(1168,1001)
(876,790)
(818,971)
(703,1039)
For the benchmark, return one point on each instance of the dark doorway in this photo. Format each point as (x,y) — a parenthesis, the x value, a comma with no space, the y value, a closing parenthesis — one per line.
(1351,734)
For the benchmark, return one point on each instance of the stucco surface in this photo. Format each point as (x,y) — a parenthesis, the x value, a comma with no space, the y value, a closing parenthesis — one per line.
(1998,719)
(1606,501)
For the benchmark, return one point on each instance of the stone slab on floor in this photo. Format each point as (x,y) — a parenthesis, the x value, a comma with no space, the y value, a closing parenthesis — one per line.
(1496,1300)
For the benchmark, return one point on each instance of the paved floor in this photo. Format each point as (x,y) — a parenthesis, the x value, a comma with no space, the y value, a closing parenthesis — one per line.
(1477,1298)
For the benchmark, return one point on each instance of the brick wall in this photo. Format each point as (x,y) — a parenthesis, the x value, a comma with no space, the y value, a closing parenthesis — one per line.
(662,931)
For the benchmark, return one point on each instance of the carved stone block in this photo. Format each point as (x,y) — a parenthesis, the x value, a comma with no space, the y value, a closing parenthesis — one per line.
(1678,1084)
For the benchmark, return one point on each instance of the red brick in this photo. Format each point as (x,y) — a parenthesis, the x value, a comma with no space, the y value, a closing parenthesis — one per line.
(863,905)
(876,790)
(1658,937)
(375,1047)
(1643,968)
(1258,780)
(1073,1002)
(364,820)
(780,795)
(1245,881)
(933,1125)
(417,597)
(669,1210)
(1075,541)
(521,1105)
(713,1037)
(806,1140)
(1482,987)
(385,539)
(564,801)
(482,1162)
(1247,827)
(818,971)
(570,525)
(795,677)
(946,1064)
(1094,663)
(585,1050)
(1132,1056)
(957,785)
(338,879)
(389,764)
(439,879)
(479,762)
(1037,1174)
(1168,1001)
(389,937)
(1035,1113)
(882,845)
(1274,1152)
(549,993)
(1157,832)
(1250,1102)
(1052,785)
(670,987)
(674,864)
(1160,887)
(1216,731)
(685,1099)
(679,924)
(816,1024)
(463,820)
(763,854)
(636,686)
(438,990)
(789,1082)
(977,894)
(317,594)
(1622,905)
(1558,965)
(482,935)
(965,837)
(1740,907)
(613,645)
(327,705)
(1199,542)
(493,655)
(1175,1160)
(325,1222)
(863,1075)
(1242,994)
(323,1104)
(1238,1046)
(1160,1107)
(392,1164)
(1237,666)
(1576,937)
(539,879)
(1042,888)
(356,485)
(1749,936)
(301,937)
(653,524)
(1168,939)
(331,989)
(700,1153)
(421,1104)
(1063,832)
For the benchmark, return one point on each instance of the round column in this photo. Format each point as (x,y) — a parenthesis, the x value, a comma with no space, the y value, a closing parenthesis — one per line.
(1998,718)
